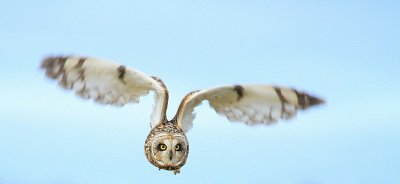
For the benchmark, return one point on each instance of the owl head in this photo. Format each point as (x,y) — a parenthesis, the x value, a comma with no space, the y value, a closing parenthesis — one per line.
(166,147)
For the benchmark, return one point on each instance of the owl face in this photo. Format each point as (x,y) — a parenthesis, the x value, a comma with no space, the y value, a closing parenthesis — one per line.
(167,147)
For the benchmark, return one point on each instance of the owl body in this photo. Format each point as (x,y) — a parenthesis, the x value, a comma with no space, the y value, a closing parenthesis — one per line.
(166,146)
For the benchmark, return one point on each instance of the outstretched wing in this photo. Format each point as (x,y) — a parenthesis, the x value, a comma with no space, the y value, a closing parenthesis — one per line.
(251,104)
(107,82)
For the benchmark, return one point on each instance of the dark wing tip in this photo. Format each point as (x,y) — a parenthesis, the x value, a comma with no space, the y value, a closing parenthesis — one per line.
(47,62)
(306,100)
(313,101)
(50,61)
(50,64)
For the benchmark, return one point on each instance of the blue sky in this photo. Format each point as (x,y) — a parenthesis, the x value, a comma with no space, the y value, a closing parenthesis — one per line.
(347,52)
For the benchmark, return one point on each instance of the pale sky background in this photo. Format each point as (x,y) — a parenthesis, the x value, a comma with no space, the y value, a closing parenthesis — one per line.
(346,51)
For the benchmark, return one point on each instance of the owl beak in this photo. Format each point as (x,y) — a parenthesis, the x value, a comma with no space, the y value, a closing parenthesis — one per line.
(170,155)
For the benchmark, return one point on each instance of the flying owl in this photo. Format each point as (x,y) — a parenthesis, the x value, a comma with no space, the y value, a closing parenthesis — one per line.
(166,146)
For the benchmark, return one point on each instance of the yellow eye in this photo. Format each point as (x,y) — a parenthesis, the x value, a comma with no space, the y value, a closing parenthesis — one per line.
(162,147)
(178,147)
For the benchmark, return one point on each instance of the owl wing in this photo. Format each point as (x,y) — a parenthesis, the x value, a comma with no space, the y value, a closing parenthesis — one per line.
(251,104)
(106,82)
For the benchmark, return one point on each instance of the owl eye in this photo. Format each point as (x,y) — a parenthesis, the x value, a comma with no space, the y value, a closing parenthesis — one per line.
(178,147)
(162,147)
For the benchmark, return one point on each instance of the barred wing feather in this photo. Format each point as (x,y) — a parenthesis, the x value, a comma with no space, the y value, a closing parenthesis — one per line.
(106,82)
(251,104)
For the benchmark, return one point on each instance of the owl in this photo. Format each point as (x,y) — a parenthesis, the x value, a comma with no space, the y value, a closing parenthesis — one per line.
(167,146)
